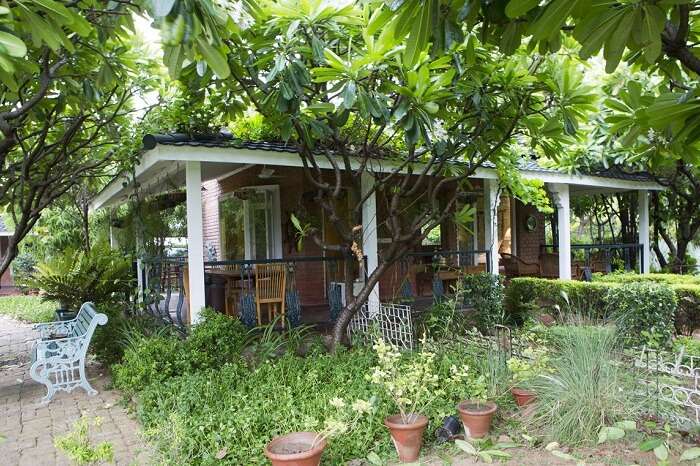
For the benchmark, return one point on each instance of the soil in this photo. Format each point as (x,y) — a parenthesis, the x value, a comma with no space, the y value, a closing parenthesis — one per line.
(618,454)
(476,408)
(291,448)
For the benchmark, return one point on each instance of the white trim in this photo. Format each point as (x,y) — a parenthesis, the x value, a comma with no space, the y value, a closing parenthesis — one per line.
(513,225)
(7,233)
(643,229)
(560,193)
(288,159)
(195,240)
(491,202)
(275,246)
(370,245)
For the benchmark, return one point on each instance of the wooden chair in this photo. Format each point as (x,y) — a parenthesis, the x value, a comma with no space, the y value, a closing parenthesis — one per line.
(270,284)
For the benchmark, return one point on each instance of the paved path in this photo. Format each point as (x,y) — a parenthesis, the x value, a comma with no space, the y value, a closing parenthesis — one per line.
(27,428)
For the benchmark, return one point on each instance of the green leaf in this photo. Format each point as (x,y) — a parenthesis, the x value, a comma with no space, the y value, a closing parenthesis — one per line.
(626,425)
(56,8)
(162,7)
(650,444)
(465,446)
(553,17)
(517,8)
(214,58)
(610,433)
(690,454)
(661,452)
(418,39)
(13,44)
(374,459)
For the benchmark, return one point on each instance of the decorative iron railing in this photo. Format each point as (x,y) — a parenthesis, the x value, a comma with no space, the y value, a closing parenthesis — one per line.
(313,284)
(604,258)
(436,271)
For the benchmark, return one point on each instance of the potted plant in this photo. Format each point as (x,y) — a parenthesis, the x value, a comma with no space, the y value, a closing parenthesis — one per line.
(306,448)
(411,383)
(524,369)
(476,413)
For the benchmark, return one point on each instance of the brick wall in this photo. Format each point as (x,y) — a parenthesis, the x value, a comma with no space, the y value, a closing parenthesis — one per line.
(528,247)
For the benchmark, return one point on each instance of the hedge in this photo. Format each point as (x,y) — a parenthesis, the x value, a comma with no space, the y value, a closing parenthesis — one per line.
(526,296)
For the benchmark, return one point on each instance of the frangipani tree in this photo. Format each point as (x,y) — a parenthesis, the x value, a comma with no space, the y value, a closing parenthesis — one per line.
(68,71)
(340,80)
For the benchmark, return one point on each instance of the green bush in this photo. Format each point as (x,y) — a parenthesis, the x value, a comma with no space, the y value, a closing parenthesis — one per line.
(28,308)
(668,278)
(149,361)
(526,296)
(643,311)
(236,410)
(102,276)
(214,341)
(484,292)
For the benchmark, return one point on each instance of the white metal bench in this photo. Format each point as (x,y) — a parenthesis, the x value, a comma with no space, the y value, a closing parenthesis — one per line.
(58,356)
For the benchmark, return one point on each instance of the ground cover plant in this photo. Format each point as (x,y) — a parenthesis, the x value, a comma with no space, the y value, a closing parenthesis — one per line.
(28,308)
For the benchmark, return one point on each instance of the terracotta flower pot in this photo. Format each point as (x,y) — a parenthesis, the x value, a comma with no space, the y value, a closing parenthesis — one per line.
(476,417)
(523,397)
(295,449)
(408,438)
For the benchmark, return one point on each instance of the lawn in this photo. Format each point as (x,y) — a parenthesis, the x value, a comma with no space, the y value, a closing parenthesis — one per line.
(27,308)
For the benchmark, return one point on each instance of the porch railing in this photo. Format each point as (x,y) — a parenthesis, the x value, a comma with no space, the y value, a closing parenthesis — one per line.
(437,271)
(316,283)
(604,258)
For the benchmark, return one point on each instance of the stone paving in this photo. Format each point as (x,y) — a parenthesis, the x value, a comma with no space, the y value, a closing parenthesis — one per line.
(28,428)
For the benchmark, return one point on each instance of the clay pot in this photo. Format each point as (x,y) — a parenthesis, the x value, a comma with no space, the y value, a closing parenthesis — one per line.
(523,397)
(408,438)
(476,417)
(295,449)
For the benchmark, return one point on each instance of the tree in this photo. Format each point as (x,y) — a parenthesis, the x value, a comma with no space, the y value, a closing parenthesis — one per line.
(67,75)
(360,104)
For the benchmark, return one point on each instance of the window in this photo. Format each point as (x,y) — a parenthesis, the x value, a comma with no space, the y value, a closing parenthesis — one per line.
(250,224)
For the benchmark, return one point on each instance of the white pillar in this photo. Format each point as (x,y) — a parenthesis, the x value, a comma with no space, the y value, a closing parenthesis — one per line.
(643,228)
(370,245)
(491,201)
(195,240)
(560,194)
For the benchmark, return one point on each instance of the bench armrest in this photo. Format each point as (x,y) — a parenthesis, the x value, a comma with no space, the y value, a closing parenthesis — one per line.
(64,348)
(47,329)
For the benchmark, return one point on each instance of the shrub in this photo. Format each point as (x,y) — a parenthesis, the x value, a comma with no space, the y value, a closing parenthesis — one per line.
(214,341)
(484,292)
(585,390)
(148,361)
(526,296)
(643,311)
(101,276)
(23,267)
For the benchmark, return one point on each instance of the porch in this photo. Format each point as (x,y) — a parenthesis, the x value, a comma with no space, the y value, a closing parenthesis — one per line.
(239,199)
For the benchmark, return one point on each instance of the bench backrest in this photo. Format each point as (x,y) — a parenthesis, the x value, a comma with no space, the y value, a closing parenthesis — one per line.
(86,321)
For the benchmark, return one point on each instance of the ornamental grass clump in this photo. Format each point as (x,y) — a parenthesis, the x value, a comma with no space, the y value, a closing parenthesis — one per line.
(408,379)
(586,388)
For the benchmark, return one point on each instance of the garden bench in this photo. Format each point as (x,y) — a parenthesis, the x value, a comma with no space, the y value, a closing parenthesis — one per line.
(58,356)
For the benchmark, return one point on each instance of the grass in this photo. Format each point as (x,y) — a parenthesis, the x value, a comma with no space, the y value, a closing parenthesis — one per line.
(586,388)
(27,308)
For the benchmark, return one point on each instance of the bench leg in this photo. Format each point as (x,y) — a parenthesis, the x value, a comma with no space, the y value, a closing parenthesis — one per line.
(84,382)
(41,376)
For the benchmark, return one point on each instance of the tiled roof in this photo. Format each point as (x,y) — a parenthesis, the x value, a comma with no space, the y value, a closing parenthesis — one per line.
(225,139)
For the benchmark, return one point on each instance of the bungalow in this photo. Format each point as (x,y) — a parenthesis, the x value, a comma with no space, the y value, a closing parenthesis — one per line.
(240,197)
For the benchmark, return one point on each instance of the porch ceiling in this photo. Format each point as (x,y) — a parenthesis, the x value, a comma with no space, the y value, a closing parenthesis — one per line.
(158,177)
